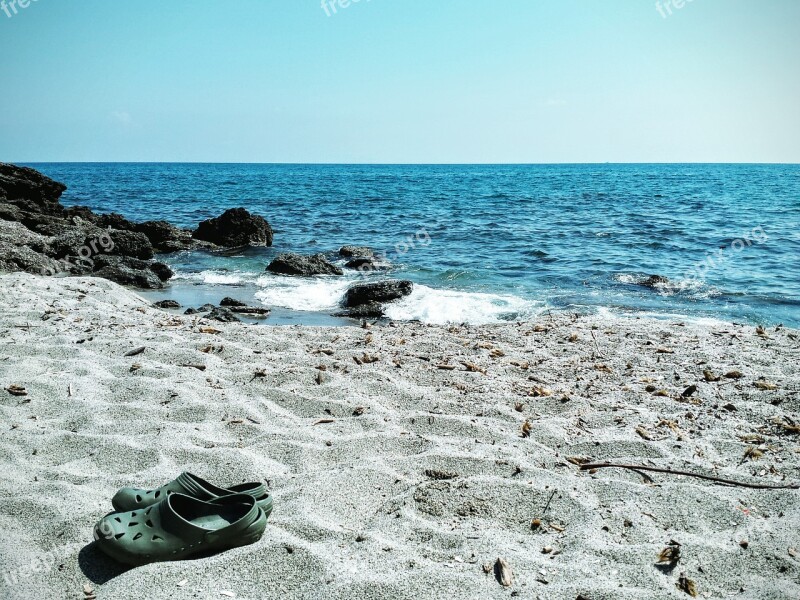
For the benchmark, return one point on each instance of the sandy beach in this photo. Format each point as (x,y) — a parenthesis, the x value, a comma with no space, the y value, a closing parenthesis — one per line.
(405,459)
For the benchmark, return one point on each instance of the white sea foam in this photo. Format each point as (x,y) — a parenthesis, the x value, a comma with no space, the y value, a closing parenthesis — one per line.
(449,306)
(215,277)
(301,293)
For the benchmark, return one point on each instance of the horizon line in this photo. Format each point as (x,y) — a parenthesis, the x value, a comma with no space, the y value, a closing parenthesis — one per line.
(380,164)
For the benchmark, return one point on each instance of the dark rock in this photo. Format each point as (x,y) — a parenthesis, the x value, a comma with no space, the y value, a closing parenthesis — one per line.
(365,264)
(353,251)
(166,237)
(234,228)
(227,301)
(370,310)
(302,265)
(162,271)
(131,243)
(222,314)
(191,311)
(167,304)
(112,221)
(206,308)
(110,260)
(125,275)
(16,253)
(30,190)
(251,311)
(381,291)
(126,265)
(655,281)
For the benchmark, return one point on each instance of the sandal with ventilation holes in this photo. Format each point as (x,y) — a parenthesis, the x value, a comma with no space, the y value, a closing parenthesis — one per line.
(180,527)
(128,499)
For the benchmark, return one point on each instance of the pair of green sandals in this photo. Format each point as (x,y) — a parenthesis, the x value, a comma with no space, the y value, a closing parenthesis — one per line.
(186,517)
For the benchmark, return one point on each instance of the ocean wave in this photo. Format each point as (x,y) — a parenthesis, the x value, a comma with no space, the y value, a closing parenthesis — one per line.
(301,293)
(216,277)
(692,287)
(439,307)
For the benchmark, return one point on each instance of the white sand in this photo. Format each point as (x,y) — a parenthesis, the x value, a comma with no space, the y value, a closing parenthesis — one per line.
(355,514)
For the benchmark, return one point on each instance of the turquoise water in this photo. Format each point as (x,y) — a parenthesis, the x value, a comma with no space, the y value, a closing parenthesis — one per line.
(490,243)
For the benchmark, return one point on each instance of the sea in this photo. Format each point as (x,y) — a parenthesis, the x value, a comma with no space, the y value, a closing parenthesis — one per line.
(483,243)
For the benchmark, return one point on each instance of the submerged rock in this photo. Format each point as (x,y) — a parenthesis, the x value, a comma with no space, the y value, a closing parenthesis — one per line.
(655,281)
(228,301)
(235,227)
(165,237)
(366,264)
(378,292)
(303,265)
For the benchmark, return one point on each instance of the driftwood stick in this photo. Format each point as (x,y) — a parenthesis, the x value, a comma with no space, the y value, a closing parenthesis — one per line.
(760,486)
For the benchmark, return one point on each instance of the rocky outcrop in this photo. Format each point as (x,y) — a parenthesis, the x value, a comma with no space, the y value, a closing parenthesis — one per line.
(303,265)
(235,227)
(378,292)
(78,241)
(30,190)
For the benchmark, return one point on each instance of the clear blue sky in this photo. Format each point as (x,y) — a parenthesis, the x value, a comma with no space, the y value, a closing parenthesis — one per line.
(401,81)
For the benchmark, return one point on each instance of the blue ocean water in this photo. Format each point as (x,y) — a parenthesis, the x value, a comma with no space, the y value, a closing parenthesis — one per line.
(490,243)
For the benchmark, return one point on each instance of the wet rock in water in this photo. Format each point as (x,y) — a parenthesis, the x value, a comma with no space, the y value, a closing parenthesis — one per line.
(303,265)
(167,304)
(202,309)
(379,292)
(236,227)
(370,310)
(166,237)
(365,264)
(228,301)
(222,314)
(654,281)
(162,270)
(251,311)
(356,251)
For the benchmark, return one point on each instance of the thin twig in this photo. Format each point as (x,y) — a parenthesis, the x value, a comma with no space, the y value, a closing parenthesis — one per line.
(790,486)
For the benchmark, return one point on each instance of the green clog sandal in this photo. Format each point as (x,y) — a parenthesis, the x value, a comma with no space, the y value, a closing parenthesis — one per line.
(180,527)
(128,499)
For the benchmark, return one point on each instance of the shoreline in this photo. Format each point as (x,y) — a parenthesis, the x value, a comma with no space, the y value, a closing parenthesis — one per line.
(403,472)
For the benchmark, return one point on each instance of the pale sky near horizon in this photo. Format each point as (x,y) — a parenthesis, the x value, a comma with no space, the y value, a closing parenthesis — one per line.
(408,81)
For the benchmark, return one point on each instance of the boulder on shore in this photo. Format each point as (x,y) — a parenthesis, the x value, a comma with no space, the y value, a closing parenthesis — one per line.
(303,265)
(234,228)
(167,304)
(377,292)
(370,310)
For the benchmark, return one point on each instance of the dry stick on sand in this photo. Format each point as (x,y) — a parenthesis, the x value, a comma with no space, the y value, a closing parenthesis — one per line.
(760,486)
